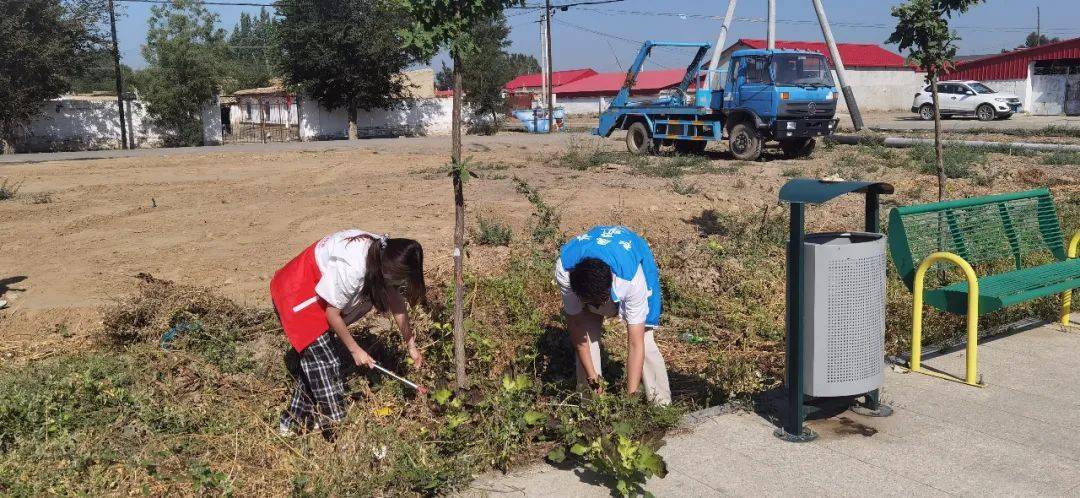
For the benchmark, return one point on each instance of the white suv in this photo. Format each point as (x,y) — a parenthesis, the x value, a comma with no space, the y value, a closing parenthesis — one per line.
(966,98)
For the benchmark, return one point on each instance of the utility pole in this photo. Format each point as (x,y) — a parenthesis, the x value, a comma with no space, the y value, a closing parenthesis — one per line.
(1038,27)
(771,33)
(550,102)
(543,61)
(119,78)
(714,77)
(841,74)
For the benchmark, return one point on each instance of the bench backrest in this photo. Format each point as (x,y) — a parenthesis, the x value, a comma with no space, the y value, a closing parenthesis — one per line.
(984,229)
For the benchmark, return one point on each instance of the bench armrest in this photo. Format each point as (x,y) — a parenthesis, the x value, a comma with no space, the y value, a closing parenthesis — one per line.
(1074,245)
(971,377)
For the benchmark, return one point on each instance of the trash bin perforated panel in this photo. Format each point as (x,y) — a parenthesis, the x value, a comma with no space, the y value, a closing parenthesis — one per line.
(844,313)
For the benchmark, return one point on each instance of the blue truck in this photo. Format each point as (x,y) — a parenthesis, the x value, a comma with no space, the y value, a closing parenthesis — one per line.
(786,96)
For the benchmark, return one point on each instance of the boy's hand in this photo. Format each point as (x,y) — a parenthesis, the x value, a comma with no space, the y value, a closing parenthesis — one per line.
(362,358)
(414,353)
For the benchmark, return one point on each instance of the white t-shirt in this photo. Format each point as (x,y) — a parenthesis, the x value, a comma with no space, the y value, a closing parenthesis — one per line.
(343,264)
(633,296)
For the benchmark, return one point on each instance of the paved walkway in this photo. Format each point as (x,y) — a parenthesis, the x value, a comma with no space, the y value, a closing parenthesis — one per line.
(1019,435)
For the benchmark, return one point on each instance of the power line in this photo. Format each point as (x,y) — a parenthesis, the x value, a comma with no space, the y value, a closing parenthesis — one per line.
(207,2)
(844,24)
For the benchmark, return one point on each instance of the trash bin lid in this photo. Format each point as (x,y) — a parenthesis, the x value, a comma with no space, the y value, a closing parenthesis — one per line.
(812,191)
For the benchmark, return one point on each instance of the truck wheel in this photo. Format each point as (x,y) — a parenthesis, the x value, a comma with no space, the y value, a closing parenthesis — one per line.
(985,112)
(744,142)
(638,140)
(926,112)
(690,146)
(799,147)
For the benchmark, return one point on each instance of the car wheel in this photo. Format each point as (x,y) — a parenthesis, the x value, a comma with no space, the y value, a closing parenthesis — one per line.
(926,112)
(799,147)
(638,140)
(985,112)
(744,142)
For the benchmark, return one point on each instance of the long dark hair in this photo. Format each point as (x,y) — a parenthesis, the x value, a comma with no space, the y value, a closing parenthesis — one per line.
(397,265)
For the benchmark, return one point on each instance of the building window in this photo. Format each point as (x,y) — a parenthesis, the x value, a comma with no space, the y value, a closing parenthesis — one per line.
(248,110)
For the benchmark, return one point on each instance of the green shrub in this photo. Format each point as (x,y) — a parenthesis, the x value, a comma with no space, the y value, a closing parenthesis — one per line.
(492,232)
(546,217)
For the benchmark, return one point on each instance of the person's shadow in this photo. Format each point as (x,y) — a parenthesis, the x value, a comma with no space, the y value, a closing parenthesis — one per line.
(6,284)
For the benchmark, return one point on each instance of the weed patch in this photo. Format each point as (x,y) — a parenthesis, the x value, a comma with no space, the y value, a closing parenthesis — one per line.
(9,189)
(546,217)
(958,160)
(1062,158)
(681,188)
(491,232)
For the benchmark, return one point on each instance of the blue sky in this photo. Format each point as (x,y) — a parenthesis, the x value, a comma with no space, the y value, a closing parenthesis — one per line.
(987,28)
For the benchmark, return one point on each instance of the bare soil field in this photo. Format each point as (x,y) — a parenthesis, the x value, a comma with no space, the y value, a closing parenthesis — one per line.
(79,232)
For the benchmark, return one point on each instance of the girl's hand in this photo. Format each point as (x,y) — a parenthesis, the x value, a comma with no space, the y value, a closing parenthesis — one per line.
(417,357)
(362,358)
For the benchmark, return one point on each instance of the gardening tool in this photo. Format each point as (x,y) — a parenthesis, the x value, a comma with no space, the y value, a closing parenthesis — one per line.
(420,389)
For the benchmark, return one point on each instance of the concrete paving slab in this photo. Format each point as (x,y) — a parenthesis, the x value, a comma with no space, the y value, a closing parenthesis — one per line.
(1016,436)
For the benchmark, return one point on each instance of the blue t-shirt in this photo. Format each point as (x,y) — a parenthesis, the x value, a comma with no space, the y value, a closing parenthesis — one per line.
(636,280)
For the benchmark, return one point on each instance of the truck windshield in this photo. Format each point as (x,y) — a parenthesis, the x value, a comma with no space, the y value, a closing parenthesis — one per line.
(801,70)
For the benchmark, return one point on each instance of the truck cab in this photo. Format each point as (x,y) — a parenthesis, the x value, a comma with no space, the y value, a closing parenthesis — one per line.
(786,96)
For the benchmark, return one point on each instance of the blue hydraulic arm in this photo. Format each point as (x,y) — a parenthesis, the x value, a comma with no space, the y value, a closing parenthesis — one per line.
(631,75)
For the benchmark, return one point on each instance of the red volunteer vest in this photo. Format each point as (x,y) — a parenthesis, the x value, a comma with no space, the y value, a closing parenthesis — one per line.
(301,310)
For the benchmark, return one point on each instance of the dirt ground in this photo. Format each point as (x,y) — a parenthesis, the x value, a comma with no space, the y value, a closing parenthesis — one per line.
(79,232)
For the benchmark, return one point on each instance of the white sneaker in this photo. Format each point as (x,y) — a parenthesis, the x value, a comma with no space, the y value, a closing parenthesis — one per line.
(3,303)
(285,429)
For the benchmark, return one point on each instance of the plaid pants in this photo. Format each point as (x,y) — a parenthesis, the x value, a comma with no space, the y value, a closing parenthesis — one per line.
(319,396)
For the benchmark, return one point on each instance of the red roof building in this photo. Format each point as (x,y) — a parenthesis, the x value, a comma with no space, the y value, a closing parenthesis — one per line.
(1014,65)
(855,55)
(608,84)
(527,82)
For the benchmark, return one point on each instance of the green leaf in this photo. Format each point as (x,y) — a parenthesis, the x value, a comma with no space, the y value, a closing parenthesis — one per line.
(533,417)
(578,449)
(441,396)
(521,382)
(508,383)
(457,419)
(557,455)
(623,487)
(650,463)
(622,428)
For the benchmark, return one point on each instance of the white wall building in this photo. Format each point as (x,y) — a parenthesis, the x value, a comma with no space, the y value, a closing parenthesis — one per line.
(86,122)
(1046,78)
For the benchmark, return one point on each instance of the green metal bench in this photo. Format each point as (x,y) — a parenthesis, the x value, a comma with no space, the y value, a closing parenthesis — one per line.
(1015,238)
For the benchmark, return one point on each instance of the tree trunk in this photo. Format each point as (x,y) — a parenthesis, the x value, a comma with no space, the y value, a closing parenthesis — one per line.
(5,147)
(938,152)
(459,229)
(352,123)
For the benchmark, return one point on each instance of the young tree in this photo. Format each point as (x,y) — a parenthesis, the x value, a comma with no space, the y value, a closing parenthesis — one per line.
(438,24)
(344,53)
(44,45)
(185,54)
(922,28)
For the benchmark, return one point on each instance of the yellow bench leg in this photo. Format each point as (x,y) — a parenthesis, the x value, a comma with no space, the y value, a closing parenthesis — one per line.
(971,376)
(1066,298)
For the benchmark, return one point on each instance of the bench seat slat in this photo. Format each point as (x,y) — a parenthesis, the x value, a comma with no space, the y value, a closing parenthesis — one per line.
(1005,289)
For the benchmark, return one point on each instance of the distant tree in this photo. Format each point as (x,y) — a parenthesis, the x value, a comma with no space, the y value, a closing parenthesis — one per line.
(1035,39)
(486,69)
(44,45)
(922,28)
(444,79)
(98,73)
(344,53)
(438,24)
(522,64)
(250,48)
(186,61)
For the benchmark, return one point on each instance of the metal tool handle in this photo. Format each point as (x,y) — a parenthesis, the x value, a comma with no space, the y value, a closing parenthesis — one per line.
(394,375)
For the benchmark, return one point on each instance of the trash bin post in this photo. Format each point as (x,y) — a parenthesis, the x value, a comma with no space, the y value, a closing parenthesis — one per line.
(871,405)
(792,429)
